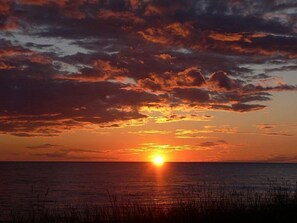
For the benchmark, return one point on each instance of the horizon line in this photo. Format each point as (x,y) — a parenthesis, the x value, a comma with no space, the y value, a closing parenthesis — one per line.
(215,162)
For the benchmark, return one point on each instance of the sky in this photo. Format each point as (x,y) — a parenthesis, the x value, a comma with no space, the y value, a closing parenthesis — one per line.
(114,80)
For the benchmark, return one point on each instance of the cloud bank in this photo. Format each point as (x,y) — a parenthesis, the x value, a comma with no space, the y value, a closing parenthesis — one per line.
(67,64)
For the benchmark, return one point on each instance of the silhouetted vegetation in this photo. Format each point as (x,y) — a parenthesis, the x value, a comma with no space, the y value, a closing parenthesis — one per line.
(198,204)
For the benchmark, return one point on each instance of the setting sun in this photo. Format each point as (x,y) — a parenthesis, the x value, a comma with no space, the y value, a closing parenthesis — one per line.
(158,160)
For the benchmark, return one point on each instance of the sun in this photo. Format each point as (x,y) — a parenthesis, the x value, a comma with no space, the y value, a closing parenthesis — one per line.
(158,160)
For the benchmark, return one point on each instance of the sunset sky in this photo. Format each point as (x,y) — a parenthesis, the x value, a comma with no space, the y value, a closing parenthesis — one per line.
(103,80)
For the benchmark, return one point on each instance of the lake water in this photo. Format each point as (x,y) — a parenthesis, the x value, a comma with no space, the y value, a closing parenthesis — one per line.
(22,184)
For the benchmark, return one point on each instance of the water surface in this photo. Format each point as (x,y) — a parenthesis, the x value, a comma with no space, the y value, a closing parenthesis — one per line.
(24,183)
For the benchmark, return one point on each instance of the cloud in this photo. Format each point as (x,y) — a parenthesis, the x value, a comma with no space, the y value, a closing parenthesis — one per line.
(282,158)
(221,145)
(221,80)
(4,8)
(213,143)
(44,146)
(278,134)
(54,152)
(124,16)
(61,151)
(235,37)
(277,129)
(204,132)
(156,148)
(67,150)
(192,96)
(266,126)
(49,107)
(168,35)
(182,117)
(246,107)
(150,132)
(190,77)
(66,156)
(152,147)
(165,56)
(121,58)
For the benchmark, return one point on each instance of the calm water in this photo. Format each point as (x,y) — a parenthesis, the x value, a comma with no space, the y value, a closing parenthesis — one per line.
(21,184)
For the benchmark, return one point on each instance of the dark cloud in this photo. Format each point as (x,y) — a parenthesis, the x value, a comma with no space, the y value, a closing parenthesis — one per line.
(276,129)
(66,156)
(55,152)
(282,158)
(223,81)
(213,143)
(266,126)
(246,107)
(44,146)
(278,134)
(67,64)
(192,95)
(47,107)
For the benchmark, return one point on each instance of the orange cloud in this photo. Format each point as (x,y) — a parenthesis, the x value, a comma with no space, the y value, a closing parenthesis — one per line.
(179,29)
(184,117)
(41,59)
(150,132)
(128,16)
(15,53)
(158,148)
(158,8)
(233,37)
(4,66)
(203,132)
(107,68)
(171,34)
(11,52)
(226,37)
(4,7)
(135,4)
(189,77)
(262,51)
(152,9)
(10,24)
(165,56)
(154,35)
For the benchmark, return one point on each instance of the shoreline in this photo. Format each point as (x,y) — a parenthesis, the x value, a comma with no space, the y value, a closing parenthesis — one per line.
(277,204)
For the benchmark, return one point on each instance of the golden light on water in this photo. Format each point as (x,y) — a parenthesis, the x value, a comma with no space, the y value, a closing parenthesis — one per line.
(158,160)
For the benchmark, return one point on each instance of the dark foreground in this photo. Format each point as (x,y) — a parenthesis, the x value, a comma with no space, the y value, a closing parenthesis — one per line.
(277,204)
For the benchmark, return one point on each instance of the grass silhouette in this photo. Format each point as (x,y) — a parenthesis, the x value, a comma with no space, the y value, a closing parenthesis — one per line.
(198,204)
